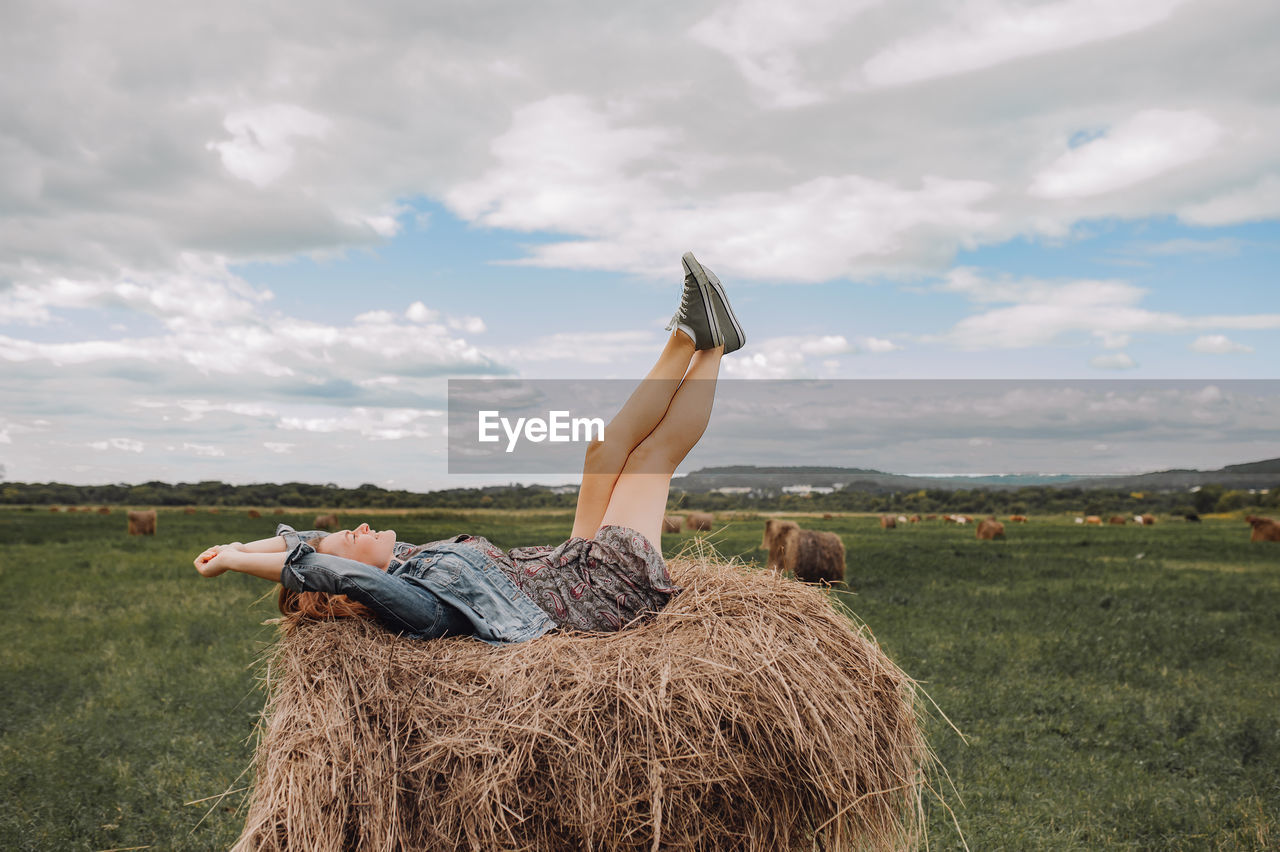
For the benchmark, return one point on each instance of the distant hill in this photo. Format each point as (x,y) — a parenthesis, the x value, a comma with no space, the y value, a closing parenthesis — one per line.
(1259,474)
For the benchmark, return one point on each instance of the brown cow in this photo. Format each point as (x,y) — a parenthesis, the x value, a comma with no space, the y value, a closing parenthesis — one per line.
(915,519)
(888,522)
(189,510)
(254,513)
(1264,529)
(990,529)
(672,523)
(811,556)
(700,521)
(931,517)
(773,530)
(1094,520)
(277,511)
(325,522)
(1118,520)
(1147,520)
(142,523)
(104,510)
(1018,519)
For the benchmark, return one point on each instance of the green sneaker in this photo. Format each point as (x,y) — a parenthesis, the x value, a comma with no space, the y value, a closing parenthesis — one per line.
(696,315)
(731,333)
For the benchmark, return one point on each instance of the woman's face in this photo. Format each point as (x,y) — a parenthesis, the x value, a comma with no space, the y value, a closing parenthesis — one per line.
(361,544)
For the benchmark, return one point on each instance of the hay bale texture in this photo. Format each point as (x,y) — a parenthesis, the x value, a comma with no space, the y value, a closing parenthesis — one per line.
(749,714)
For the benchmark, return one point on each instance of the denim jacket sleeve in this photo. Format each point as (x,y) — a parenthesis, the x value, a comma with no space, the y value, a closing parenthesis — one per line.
(292,536)
(396,601)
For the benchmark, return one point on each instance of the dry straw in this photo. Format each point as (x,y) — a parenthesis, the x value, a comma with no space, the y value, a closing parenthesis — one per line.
(749,714)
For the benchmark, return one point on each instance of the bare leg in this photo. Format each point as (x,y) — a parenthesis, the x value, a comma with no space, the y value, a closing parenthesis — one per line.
(643,410)
(639,496)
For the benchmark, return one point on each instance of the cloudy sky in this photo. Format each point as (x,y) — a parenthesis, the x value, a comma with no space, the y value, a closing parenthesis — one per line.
(252,242)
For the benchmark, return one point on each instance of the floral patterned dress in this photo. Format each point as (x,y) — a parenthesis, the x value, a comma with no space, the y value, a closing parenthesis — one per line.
(595,584)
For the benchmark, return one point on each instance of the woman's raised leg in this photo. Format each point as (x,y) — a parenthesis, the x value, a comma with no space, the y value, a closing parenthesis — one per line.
(639,496)
(643,410)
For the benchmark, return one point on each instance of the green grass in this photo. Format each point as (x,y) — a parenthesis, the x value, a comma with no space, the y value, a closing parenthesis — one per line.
(1117,687)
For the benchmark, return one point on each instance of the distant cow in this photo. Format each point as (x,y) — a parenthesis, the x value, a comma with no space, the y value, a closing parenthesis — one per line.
(902,519)
(1018,519)
(888,522)
(325,522)
(189,510)
(1147,520)
(827,516)
(1193,517)
(989,529)
(773,530)
(277,511)
(1264,529)
(254,513)
(142,523)
(931,517)
(701,521)
(1118,520)
(811,556)
(1094,520)
(915,519)
(105,510)
(672,523)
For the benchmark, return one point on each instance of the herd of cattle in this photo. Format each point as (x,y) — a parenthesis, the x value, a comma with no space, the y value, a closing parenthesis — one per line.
(811,555)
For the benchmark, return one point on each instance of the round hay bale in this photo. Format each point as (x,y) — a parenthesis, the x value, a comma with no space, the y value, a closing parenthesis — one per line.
(749,714)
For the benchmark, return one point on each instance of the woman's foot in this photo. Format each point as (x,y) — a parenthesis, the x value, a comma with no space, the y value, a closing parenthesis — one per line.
(730,331)
(696,315)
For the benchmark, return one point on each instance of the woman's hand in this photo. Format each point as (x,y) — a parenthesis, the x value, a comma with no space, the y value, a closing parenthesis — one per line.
(217,559)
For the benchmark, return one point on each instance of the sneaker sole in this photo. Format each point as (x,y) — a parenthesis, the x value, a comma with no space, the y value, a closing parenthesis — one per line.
(711,281)
(704,289)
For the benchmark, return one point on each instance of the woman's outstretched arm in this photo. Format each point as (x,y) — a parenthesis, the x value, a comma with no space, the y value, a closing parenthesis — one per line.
(223,558)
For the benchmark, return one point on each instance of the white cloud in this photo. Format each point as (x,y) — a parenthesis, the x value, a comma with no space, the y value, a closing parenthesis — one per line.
(987,34)
(1150,143)
(767,41)
(784,357)
(1250,204)
(262,145)
(876,345)
(1112,339)
(1114,361)
(128,445)
(384,424)
(1217,344)
(567,165)
(418,312)
(279,447)
(206,450)
(1039,313)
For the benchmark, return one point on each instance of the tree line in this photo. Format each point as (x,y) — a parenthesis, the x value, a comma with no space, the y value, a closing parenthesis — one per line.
(974,501)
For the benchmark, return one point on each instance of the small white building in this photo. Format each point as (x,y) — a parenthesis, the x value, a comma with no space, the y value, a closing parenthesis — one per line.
(806,490)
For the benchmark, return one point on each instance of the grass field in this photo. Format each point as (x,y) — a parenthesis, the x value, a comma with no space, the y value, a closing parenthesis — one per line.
(1117,688)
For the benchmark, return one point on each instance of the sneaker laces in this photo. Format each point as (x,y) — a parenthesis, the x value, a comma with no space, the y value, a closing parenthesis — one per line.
(680,311)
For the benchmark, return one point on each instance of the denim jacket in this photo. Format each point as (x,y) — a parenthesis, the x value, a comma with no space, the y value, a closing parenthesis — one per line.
(438,589)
